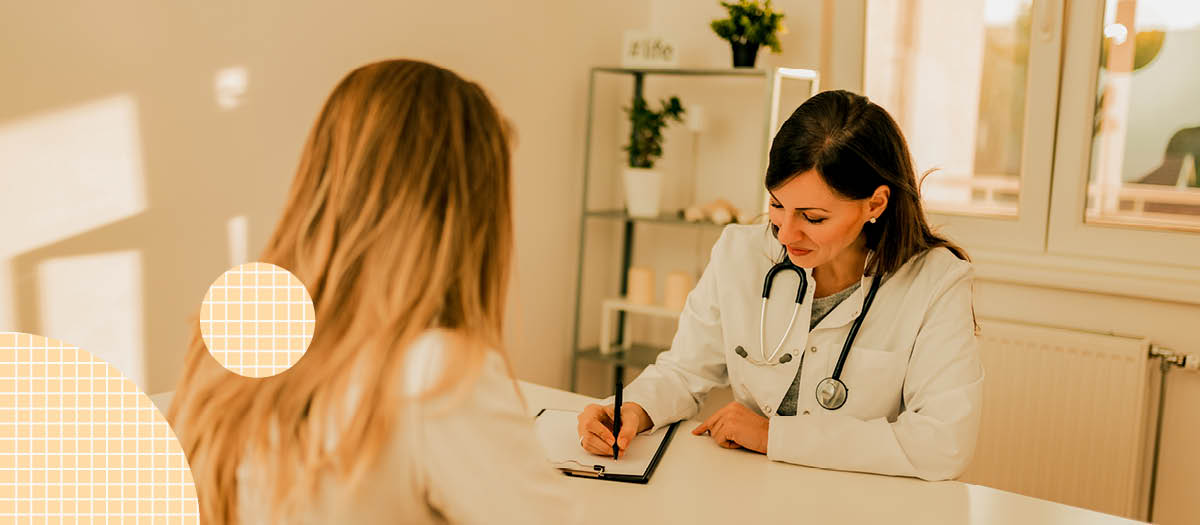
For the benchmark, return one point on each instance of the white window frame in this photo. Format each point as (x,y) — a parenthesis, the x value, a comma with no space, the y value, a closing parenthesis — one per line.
(1049,244)
(1069,233)
(1025,233)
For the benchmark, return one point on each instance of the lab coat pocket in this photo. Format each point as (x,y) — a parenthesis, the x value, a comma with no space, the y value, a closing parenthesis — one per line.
(874,380)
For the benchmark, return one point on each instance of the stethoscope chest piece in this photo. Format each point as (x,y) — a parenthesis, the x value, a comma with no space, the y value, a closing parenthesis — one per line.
(831,393)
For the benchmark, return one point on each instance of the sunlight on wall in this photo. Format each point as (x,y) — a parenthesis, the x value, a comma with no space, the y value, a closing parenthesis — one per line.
(7,308)
(63,173)
(229,84)
(68,172)
(238,229)
(95,301)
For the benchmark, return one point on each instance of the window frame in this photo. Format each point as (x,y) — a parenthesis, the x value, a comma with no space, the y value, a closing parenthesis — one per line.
(1068,231)
(1027,230)
(1049,244)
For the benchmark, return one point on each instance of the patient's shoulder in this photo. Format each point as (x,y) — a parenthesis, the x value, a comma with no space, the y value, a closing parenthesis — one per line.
(438,352)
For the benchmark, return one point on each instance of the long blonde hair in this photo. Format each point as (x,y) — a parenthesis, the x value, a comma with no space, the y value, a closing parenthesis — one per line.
(398,221)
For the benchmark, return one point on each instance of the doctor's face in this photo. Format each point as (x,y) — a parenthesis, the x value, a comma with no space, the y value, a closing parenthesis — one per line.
(816,225)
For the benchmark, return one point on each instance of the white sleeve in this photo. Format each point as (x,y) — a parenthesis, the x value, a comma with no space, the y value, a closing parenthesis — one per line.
(482,461)
(934,437)
(673,388)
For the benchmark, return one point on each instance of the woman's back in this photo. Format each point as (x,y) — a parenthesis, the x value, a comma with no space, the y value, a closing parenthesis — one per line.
(399,223)
(460,457)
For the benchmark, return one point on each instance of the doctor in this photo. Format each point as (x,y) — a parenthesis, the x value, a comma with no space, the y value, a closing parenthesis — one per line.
(886,378)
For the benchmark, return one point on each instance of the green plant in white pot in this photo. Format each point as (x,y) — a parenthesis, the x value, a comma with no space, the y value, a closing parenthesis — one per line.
(643,185)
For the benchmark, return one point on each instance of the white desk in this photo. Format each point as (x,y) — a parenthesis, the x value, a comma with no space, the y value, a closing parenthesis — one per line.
(699,482)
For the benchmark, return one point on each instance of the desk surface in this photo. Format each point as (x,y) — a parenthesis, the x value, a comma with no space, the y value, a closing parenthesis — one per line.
(700,482)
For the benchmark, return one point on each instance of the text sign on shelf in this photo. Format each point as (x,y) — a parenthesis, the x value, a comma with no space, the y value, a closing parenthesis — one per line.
(643,49)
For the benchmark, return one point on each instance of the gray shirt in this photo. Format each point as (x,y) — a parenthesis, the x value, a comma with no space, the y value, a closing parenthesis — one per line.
(821,308)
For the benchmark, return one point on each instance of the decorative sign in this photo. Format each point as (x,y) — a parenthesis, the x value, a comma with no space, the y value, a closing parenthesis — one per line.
(643,49)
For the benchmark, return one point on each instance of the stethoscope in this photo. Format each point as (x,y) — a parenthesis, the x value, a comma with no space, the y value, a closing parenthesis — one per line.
(831,391)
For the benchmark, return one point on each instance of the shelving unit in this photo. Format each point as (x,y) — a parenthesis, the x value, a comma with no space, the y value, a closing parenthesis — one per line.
(623,351)
(619,307)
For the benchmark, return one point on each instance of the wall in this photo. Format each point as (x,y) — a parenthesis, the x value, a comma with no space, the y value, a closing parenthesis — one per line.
(147,211)
(148,227)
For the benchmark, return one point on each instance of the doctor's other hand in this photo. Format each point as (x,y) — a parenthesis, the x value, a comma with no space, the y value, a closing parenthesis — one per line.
(596,422)
(735,426)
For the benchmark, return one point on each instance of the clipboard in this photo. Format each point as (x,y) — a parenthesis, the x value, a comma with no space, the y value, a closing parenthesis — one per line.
(556,430)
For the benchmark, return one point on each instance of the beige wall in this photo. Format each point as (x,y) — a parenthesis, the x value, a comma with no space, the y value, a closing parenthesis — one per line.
(162,222)
(198,166)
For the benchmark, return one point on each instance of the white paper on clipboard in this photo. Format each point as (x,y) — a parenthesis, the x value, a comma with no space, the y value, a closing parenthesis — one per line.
(556,430)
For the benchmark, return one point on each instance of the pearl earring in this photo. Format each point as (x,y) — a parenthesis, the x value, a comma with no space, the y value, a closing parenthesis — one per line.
(872,221)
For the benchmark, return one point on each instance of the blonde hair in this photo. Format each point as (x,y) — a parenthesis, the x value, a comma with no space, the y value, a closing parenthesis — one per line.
(398,221)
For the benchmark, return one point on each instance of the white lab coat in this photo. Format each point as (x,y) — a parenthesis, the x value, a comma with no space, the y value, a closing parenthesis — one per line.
(913,373)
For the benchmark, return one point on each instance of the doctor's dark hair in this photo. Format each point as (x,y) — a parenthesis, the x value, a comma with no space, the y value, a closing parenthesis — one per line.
(855,146)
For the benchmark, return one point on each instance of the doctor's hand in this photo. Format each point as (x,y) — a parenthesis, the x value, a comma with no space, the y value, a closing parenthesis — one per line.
(596,422)
(735,426)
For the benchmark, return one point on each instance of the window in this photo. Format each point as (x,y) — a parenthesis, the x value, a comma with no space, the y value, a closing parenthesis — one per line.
(962,105)
(972,83)
(1064,131)
(1146,141)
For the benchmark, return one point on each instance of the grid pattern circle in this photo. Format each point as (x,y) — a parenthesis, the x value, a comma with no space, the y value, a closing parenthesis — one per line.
(79,443)
(257,319)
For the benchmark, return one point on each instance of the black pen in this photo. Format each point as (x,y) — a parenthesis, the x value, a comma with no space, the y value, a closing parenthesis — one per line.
(617,412)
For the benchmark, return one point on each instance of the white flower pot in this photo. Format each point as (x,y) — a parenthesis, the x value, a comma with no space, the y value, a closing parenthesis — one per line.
(643,187)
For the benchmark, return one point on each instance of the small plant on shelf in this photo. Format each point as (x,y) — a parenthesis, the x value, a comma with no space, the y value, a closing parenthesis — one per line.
(645,139)
(643,185)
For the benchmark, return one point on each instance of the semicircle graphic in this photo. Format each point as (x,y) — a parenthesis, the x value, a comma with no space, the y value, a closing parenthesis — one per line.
(79,443)
(257,319)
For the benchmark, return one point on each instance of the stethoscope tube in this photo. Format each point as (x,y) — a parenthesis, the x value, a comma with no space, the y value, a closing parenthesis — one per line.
(782,266)
(831,392)
(841,362)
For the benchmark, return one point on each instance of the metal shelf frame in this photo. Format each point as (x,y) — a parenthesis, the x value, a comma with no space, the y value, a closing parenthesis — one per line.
(642,355)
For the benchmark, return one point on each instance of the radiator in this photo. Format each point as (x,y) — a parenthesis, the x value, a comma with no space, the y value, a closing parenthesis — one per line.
(1068,416)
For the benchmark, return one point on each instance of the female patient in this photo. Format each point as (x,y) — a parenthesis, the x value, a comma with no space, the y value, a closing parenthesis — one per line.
(403,409)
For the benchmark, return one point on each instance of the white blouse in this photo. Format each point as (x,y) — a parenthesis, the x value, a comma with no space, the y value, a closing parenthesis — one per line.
(470,458)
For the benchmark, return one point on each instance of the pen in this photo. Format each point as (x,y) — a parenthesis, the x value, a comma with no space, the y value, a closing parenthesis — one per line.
(617,412)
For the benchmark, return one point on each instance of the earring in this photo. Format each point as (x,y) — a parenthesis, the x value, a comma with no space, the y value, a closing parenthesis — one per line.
(872,221)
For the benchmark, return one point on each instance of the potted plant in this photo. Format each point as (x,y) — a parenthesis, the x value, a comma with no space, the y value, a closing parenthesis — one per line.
(751,24)
(643,185)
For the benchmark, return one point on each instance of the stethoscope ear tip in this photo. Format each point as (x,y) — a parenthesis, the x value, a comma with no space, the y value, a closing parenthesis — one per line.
(740,351)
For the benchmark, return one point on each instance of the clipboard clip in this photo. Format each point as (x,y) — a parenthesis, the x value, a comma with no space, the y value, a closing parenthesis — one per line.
(596,472)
